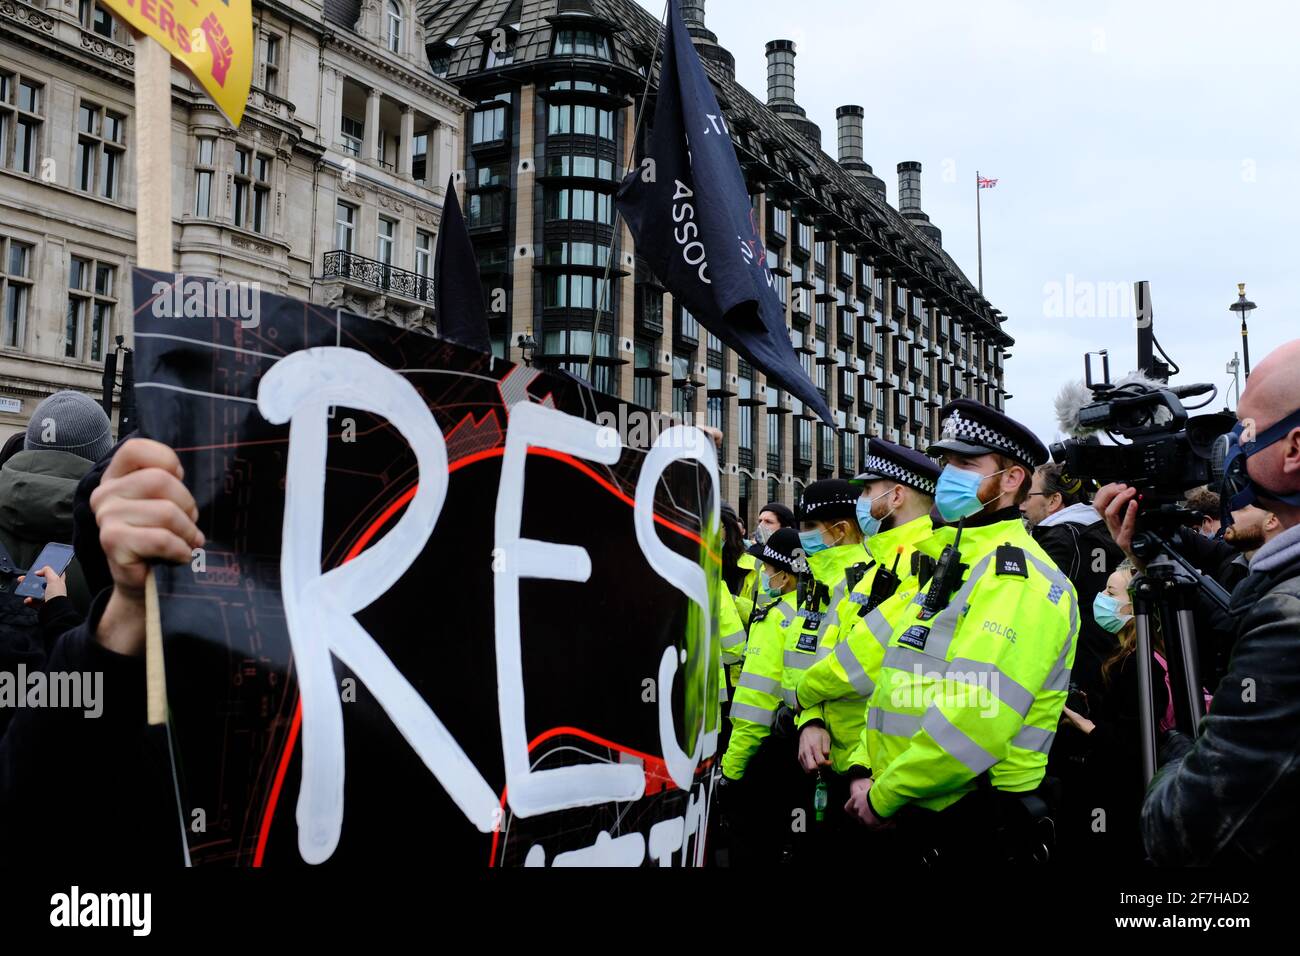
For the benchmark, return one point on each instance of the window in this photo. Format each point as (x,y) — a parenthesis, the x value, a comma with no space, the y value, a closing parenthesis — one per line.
(252,190)
(271,63)
(583,204)
(688,327)
(353,132)
(746,417)
(489,125)
(423,253)
(565,291)
(805,236)
(386,240)
(576,253)
(91,298)
(345,217)
(565,118)
(203,175)
(393,27)
(643,388)
(500,52)
(420,157)
(803,446)
(773,433)
(96,19)
(585,166)
(779,223)
(15,290)
(21,101)
(485,209)
(100,137)
(581,43)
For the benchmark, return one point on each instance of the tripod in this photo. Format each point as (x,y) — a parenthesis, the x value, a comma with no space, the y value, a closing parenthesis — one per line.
(1166,592)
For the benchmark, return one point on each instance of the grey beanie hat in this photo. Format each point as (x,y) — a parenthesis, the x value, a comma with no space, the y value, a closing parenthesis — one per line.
(72,422)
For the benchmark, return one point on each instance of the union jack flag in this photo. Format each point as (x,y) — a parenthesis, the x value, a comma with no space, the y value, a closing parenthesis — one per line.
(985,183)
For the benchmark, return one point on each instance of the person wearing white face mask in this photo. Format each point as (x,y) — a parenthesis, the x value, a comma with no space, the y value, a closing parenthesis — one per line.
(972,683)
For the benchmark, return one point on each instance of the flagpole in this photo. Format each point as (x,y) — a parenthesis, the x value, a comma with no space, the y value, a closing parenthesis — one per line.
(979,234)
(613,237)
(153,250)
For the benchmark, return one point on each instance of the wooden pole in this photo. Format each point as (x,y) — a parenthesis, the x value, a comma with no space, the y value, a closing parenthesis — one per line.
(153,245)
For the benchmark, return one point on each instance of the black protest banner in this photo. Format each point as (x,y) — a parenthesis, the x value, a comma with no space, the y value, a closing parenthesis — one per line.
(441,611)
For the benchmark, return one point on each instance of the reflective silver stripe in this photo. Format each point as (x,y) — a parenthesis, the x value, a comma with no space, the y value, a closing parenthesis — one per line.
(832,610)
(879,628)
(729,658)
(891,723)
(1059,677)
(941,632)
(1034,738)
(755,715)
(801,661)
(1011,693)
(790,696)
(853,669)
(955,742)
(787,610)
(907,659)
(723,695)
(732,640)
(767,685)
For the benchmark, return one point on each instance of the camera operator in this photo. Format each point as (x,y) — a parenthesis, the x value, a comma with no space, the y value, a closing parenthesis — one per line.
(1231,795)
(1215,558)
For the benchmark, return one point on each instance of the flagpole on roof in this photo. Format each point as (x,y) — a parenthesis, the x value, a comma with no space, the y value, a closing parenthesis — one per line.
(979,235)
(613,235)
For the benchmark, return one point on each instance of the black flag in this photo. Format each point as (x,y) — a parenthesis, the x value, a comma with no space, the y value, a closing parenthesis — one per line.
(458,293)
(690,214)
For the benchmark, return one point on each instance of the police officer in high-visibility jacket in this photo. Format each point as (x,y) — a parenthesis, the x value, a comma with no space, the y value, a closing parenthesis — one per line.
(894,514)
(972,684)
(759,810)
(832,544)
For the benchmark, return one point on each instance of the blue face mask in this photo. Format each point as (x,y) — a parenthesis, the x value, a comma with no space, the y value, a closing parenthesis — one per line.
(1105,611)
(866,522)
(768,589)
(957,492)
(811,542)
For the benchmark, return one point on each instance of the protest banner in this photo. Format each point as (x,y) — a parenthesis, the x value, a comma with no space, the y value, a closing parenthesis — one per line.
(440,610)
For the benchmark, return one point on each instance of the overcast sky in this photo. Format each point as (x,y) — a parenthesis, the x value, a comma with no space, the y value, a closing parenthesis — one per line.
(1130,140)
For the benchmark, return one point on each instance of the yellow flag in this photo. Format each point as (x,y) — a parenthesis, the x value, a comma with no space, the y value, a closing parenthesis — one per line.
(213,39)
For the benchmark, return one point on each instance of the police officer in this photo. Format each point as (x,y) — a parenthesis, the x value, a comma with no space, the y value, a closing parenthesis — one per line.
(832,544)
(972,684)
(894,514)
(758,811)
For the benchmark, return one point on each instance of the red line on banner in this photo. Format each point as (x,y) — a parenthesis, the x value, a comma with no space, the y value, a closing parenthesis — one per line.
(384,517)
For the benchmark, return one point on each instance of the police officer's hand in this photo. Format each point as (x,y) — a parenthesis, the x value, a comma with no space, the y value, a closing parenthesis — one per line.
(814,748)
(1117,503)
(859,807)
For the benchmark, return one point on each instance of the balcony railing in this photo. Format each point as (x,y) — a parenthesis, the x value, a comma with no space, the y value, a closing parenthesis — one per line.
(380,276)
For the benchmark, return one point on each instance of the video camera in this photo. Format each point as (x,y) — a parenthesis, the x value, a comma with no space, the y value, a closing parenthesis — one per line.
(1164,451)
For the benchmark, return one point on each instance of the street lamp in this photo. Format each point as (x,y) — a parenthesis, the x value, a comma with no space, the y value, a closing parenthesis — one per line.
(527,346)
(1245,307)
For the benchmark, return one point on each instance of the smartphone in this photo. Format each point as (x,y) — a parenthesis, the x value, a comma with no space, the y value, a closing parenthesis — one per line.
(57,556)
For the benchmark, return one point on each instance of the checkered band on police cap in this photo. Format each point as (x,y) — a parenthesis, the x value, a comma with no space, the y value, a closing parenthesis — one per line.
(809,509)
(886,468)
(977,433)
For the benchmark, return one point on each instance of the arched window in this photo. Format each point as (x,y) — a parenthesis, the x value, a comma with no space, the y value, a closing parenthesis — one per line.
(394,31)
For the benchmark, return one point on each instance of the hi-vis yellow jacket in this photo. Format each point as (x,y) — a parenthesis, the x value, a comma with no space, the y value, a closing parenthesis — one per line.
(758,691)
(849,673)
(750,595)
(732,631)
(805,645)
(977,687)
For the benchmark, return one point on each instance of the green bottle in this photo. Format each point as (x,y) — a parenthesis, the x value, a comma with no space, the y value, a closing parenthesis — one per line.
(819,800)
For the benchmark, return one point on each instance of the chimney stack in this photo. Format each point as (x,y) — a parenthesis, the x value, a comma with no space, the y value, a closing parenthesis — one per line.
(780,73)
(909,201)
(693,14)
(850,123)
(852,161)
(909,188)
(704,39)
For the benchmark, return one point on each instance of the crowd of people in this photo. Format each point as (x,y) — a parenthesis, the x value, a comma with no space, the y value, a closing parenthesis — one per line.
(937,659)
(941,658)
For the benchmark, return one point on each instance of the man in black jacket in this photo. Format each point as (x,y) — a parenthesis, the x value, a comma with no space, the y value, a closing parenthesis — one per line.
(98,790)
(1231,796)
